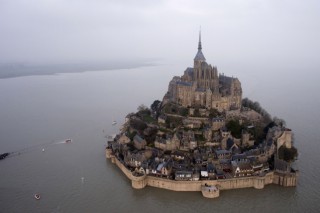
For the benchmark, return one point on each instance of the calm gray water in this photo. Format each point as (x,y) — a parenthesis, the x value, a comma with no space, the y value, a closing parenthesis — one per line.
(48,109)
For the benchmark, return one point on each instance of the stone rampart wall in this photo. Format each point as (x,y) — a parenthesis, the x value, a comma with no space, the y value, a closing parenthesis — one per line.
(246,182)
(222,184)
(286,179)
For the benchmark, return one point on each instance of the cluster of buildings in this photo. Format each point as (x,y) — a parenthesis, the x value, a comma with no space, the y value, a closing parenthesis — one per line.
(209,152)
(200,147)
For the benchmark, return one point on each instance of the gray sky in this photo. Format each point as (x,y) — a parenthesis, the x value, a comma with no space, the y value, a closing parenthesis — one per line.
(239,31)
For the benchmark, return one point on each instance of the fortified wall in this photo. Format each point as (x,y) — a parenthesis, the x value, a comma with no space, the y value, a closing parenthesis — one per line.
(209,188)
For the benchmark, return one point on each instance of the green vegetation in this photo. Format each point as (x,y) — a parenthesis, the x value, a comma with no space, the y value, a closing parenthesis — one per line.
(173,122)
(138,124)
(144,114)
(258,133)
(246,102)
(148,119)
(164,130)
(131,135)
(156,108)
(199,137)
(196,112)
(214,113)
(287,154)
(171,108)
(235,127)
(183,111)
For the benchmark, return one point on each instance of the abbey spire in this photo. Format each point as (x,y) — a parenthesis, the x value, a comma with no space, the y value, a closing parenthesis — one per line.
(199,57)
(199,44)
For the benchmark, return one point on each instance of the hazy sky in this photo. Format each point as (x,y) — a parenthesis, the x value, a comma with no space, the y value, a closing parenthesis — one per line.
(238,31)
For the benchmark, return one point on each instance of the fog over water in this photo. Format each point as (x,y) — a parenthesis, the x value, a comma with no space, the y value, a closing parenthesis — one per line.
(235,33)
(130,51)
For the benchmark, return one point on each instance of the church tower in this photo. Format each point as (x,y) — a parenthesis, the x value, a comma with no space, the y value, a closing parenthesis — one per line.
(205,76)
(198,60)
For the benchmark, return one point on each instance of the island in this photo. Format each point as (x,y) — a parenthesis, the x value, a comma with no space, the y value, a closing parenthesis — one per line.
(203,136)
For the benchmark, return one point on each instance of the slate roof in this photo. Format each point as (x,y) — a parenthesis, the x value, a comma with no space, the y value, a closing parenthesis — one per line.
(199,56)
(138,138)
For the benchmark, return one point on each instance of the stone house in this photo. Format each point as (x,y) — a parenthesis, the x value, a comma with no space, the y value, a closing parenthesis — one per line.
(224,132)
(241,169)
(123,139)
(183,175)
(152,169)
(162,119)
(178,155)
(223,154)
(217,123)
(138,142)
(191,123)
(134,159)
(170,143)
(188,140)
(257,166)
(166,169)
(207,133)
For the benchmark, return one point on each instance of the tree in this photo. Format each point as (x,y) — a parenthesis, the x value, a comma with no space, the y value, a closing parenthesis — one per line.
(287,154)
(279,122)
(246,102)
(138,124)
(235,128)
(156,106)
(142,107)
(183,111)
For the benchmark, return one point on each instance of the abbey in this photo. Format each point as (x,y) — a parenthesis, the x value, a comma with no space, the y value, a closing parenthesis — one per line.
(203,86)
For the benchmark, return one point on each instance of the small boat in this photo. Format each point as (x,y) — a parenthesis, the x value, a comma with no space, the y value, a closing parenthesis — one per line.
(43,150)
(114,123)
(68,141)
(4,155)
(37,196)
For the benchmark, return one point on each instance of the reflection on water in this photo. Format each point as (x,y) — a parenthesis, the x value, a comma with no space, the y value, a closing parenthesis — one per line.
(75,177)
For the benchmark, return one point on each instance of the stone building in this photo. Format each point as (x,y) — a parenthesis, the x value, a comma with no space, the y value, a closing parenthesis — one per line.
(218,123)
(202,86)
(138,142)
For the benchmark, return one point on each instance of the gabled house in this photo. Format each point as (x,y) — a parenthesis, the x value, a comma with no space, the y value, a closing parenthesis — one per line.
(138,142)
(223,154)
(166,169)
(241,169)
(134,159)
